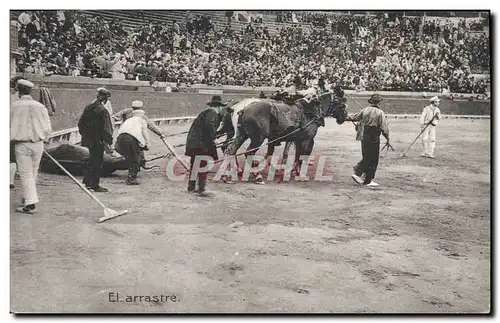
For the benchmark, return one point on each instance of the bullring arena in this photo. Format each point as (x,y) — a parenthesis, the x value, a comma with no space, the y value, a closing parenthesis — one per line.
(419,243)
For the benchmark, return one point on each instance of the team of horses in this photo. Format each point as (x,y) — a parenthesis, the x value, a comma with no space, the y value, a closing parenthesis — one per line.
(295,122)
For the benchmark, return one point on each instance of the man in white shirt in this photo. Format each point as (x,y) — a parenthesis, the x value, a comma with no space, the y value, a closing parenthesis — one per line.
(132,139)
(430,116)
(29,128)
(14,96)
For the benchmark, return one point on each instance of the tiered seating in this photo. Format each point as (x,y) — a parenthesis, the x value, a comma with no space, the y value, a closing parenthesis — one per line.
(272,64)
(131,19)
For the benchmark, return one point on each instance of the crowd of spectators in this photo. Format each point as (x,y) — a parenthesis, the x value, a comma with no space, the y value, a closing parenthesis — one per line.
(385,52)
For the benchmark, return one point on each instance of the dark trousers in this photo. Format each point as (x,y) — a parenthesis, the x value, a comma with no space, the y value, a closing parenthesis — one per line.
(128,146)
(93,165)
(370,150)
(12,152)
(203,163)
(202,177)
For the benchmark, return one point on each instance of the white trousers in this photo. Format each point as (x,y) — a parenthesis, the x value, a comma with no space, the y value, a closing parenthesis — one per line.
(28,156)
(429,140)
(13,169)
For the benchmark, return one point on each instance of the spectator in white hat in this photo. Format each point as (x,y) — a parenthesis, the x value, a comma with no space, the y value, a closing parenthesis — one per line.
(29,128)
(132,140)
(429,120)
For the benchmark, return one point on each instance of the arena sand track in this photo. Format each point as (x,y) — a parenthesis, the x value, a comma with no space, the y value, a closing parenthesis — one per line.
(420,243)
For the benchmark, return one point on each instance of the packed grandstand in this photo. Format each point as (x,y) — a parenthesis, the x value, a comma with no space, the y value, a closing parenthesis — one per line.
(397,51)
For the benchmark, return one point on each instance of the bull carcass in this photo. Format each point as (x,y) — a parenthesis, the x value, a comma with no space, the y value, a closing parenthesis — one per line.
(73,157)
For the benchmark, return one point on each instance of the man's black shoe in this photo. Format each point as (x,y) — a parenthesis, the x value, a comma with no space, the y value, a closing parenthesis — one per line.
(100,189)
(132,181)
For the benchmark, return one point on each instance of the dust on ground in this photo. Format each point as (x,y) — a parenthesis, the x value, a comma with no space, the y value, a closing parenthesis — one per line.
(419,243)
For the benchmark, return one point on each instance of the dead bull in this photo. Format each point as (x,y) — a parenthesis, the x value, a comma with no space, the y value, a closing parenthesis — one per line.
(73,157)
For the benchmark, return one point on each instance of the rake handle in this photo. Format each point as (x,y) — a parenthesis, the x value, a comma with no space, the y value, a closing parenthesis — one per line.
(421,132)
(415,140)
(174,153)
(75,180)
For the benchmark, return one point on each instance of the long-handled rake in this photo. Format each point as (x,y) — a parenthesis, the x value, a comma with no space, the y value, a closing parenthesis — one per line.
(404,154)
(172,150)
(108,213)
(387,146)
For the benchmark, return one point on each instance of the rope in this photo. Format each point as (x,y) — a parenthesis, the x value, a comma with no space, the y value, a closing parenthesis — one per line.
(357,103)
(177,134)
(268,143)
(272,141)
(157,157)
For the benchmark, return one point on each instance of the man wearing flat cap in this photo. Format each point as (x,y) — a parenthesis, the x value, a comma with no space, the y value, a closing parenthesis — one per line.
(430,118)
(97,135)
(107,105)
(132,139)
(372,123)
(29,128)
(201,140)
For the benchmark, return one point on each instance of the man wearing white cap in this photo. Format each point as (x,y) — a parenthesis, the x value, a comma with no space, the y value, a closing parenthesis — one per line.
(132,140)
(430,116)
(29,128)
(127,113)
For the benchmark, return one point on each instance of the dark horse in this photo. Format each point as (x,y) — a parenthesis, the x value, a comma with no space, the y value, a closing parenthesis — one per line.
(278,122)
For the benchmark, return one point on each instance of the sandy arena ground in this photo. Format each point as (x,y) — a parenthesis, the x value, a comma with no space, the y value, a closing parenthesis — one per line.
(419,243)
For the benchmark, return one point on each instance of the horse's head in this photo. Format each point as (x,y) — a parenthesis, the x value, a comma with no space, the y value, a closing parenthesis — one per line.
(333,106)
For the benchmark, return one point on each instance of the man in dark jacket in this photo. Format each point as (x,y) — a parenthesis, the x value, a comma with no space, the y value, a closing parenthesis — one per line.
(201,140)
(97,135)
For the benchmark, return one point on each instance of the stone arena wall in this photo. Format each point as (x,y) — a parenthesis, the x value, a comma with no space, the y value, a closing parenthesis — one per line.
(71,98)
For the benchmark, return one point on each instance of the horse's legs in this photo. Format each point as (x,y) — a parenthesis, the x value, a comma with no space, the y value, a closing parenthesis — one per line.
(232,149)
(269,155)
(226,145)
(312,134)
(310,146)
(306,147)
(288,144)
(299,149)
(254,144)
(284,161)
(231,139)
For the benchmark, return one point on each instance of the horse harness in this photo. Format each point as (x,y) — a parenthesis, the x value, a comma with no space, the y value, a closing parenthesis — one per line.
(302,128)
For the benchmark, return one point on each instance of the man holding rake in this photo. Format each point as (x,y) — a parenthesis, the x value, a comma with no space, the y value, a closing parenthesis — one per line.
(430,118)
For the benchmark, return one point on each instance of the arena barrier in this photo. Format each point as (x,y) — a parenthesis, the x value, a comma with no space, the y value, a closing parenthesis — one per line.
(59,81)
(72,135)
